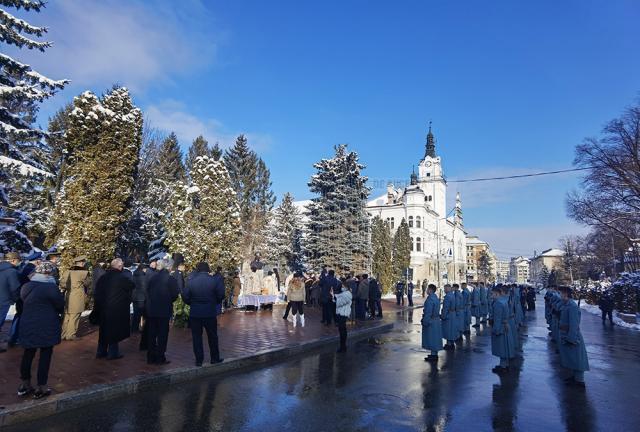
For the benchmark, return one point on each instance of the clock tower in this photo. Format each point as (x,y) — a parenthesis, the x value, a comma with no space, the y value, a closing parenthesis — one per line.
(431,178)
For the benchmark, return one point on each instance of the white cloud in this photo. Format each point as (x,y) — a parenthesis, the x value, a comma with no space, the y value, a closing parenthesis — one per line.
(509,242)
(132,43)
(172,116)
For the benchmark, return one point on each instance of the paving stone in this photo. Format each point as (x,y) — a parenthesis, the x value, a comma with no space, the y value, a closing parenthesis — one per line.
(240,333)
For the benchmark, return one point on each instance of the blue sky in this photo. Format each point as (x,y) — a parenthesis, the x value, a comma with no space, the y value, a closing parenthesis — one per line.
(511,87)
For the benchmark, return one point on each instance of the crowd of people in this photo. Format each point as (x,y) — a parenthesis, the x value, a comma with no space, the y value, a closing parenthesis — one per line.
(351,297)
(503,307)
(49,305)
(126,299)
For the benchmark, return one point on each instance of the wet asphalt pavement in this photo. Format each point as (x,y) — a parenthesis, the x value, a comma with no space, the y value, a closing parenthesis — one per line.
(385,385)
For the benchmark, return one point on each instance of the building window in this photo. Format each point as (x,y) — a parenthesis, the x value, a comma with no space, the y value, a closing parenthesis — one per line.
(410,221)
(418,221)
(412,244)
(418,244)
(391,223)
(430,198)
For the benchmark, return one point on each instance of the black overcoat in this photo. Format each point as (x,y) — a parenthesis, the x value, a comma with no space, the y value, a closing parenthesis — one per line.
(112,299)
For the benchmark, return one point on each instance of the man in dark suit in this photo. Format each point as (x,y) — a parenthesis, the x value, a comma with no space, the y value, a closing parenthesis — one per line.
(203,293)
(112,301)
(400,293)
(327,283)
(162,291)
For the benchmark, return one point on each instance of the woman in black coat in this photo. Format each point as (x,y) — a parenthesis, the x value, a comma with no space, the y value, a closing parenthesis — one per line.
(40,327)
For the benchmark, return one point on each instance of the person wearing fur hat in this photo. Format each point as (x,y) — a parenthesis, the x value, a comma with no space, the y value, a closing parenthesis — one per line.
(40,327)
(54,258)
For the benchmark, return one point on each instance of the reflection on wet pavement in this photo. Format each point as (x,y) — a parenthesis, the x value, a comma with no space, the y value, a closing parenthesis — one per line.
(385,385)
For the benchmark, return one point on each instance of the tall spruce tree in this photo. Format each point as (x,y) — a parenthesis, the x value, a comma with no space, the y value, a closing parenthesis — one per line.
(150,198)
(104,137)
(202,221)
(170,159)
(284,239)
(23,154)
(251,180)
(382,249)
(216,151)
(338,232)
(199,147)
(41,203)
(160,173)
(543,277)
(401,251)
(56,132)
(485,267)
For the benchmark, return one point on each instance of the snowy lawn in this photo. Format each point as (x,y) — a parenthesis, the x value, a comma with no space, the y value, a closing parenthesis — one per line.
(617,321)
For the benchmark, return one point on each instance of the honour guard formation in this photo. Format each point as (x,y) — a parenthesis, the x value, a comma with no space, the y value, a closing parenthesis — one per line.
(503,310)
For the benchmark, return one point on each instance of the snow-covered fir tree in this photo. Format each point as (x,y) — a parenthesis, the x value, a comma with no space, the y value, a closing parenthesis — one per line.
(160,173)
(382,249)
(251,180)
(338,232)
(284,239)
(353,188)
(401,251)
(202,221)
(150,198)
(543,278)
(199,147)
(216,151)
(56,140)
(104,137)
(37,197)
(23,154)
(485,267)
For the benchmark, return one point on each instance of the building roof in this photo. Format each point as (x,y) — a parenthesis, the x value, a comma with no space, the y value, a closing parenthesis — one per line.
(378,201)
(519,260)
(552,253)
(474,240)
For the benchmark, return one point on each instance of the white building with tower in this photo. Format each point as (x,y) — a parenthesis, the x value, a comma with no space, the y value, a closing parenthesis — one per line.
(438,238)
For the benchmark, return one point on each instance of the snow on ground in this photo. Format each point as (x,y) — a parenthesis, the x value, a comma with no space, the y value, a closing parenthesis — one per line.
(617,321)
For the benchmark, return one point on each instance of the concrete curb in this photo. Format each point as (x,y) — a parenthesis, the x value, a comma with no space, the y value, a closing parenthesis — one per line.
(32,410)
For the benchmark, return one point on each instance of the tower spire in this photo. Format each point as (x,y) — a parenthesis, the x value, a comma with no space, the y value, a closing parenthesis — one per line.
(431,144)
(458,210)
